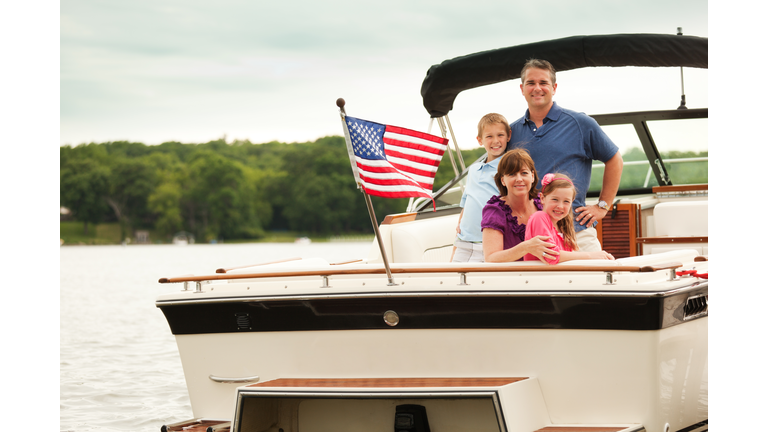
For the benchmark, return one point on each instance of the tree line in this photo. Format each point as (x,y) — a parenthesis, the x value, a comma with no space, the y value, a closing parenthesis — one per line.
(219,190)
(240,190)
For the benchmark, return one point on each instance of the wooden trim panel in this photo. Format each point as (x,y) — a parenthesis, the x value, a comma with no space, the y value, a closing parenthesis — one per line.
(680,188)
(399,218)
(197,425)
(388,382)
(618,235)
(665,240)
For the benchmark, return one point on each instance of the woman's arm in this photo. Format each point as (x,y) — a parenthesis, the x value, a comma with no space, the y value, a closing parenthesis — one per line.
(493,247)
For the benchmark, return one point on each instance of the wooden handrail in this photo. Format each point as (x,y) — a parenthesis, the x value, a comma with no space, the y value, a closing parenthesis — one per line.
(463,269)
(223,270)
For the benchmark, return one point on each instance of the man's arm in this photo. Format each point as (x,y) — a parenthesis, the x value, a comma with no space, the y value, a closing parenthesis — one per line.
(611,179)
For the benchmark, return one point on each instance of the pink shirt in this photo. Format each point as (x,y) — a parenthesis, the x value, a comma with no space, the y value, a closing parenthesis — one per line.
(540,223)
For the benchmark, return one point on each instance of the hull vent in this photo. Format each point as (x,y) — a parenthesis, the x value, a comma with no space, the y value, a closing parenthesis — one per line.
(695,306)
(243,321)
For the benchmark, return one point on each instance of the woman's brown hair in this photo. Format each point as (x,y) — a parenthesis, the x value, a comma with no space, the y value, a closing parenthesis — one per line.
(513,162)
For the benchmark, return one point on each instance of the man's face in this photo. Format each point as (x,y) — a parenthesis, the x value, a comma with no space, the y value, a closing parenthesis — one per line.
(538,88)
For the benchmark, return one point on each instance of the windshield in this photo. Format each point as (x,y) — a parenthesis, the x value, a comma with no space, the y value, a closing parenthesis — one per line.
(682,144)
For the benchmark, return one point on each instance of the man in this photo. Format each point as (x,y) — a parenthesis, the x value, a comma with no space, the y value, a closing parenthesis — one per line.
(561,140)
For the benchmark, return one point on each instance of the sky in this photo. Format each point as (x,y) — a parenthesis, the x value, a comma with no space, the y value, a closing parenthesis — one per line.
(152,71)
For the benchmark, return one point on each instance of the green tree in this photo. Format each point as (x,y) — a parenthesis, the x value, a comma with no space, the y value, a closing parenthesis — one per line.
(218,199)
(131,182)
(165,203)
(83,184)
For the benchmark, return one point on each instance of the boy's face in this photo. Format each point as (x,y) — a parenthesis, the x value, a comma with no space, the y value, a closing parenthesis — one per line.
(494,139)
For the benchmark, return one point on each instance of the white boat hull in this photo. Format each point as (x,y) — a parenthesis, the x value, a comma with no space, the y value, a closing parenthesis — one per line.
(587,376)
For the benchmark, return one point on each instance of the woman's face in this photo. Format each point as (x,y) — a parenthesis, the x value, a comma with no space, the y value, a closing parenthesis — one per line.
(519,183)
(557,204)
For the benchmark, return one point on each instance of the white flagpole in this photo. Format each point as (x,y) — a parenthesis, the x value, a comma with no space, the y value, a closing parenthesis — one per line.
(340,103)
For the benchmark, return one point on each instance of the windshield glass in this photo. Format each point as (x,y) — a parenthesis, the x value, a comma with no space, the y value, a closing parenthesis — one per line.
(682,143)
(683,146)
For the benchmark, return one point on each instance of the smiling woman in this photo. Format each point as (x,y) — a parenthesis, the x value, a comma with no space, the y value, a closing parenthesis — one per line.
(506,215)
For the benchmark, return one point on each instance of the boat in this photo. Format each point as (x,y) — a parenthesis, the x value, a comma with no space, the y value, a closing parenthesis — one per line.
(405,339)
(183,238)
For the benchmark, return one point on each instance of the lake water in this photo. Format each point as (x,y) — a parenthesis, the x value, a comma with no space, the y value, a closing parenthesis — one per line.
(119,365)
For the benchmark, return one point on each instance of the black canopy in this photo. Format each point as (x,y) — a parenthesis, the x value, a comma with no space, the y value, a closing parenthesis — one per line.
(446,80)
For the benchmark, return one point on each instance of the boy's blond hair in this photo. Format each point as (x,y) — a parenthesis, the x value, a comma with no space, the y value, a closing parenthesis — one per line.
(490,119)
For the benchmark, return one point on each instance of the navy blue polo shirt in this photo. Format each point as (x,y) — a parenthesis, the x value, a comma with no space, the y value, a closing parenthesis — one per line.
(567,142)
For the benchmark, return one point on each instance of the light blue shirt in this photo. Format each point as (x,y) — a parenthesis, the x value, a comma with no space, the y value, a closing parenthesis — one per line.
(479,189)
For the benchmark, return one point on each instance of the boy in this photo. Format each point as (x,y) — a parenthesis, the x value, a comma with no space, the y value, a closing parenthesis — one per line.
(493,134)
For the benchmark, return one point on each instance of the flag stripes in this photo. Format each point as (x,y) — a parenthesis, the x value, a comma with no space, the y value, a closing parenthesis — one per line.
(394,162)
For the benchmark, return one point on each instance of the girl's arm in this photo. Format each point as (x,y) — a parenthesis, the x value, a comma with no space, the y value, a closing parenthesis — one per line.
(577,255)
(539,227)
(493,247)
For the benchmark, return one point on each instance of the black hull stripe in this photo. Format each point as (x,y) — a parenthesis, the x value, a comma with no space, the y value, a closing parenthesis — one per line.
(652,312)
(695,426)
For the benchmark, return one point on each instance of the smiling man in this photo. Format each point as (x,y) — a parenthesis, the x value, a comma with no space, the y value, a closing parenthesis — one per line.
(561,140)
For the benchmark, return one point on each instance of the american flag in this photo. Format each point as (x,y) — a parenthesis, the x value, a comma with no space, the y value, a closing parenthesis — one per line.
(394,162)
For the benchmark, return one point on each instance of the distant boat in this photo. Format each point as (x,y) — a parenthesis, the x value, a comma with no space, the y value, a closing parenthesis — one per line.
(183,238)
(302,240)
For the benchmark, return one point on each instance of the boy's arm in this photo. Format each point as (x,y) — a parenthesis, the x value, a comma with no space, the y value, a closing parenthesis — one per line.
(458,231)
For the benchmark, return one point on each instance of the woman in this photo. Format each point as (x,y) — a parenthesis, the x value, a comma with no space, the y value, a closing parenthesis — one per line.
(505,215)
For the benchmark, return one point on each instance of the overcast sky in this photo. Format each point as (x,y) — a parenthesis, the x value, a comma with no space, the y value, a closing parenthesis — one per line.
(192,71)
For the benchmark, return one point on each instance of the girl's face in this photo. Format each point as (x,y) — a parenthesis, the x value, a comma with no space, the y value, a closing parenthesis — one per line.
(518,183)
(558,203)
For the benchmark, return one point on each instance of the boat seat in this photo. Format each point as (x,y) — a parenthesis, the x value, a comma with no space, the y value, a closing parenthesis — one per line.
(426,240)
(681,219)
(678,225)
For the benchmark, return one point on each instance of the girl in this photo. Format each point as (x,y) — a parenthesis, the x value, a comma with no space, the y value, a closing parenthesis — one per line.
(556,220)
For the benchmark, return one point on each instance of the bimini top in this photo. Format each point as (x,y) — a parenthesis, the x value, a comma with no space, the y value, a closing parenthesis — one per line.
(447,79)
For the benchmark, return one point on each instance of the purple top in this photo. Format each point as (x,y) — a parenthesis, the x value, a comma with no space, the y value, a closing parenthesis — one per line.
(498,216)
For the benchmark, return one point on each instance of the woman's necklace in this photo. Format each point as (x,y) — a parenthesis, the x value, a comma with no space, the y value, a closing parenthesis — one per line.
(522,216)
